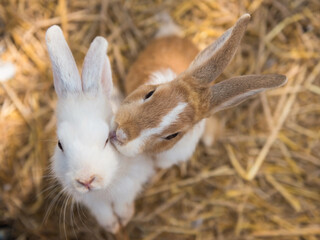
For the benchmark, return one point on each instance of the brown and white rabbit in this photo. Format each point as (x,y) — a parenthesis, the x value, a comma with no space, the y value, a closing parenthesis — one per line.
(171,95)
(84,162)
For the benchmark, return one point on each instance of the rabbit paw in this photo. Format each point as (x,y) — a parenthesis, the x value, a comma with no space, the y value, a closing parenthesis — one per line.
(124,213)
(106,218)
(113,227)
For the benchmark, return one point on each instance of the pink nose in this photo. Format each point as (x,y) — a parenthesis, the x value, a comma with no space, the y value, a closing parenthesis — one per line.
(113,135)
(115,138)
(86,183)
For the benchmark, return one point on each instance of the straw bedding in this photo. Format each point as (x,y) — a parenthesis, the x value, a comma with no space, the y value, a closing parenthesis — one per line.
(261,178)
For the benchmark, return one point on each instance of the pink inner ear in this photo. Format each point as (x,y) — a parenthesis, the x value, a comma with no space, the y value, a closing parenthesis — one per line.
(65,71)
(96,72)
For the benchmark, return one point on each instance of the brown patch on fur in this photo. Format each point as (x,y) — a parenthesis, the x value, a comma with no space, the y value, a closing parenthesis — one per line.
(198,95)
(169,52)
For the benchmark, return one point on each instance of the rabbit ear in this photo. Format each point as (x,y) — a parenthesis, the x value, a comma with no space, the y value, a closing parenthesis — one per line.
(65,72)
(96,72)
(233,91)
(210,62)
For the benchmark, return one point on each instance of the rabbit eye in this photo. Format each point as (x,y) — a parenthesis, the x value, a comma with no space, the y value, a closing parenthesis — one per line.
(149,94)
(106,142)
(171,136)
(60,146)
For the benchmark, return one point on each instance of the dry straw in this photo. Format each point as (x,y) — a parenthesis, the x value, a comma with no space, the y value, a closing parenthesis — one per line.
(261,178)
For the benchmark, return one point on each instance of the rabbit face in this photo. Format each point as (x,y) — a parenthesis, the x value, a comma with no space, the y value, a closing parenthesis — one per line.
(84,159)
(154,118)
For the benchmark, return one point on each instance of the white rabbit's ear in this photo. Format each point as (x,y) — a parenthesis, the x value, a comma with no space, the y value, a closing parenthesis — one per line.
(65,72)
(231,92)
(96,72)
(210,62)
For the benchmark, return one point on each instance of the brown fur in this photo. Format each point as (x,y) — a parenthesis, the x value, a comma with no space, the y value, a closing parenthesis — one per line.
(169,52)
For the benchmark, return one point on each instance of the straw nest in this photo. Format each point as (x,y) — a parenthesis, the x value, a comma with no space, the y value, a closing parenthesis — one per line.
(261,178)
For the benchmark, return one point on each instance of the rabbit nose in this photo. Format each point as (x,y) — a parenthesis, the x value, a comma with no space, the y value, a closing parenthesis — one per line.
(118,136)
(87,183)
(113,135)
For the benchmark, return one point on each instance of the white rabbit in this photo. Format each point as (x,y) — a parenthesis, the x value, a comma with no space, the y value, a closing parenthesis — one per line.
(171,95)
(84,162)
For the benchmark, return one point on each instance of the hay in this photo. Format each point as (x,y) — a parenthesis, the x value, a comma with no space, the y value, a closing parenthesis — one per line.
(261,178)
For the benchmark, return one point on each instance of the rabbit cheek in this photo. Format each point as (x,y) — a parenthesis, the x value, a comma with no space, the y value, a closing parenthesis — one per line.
(59,167)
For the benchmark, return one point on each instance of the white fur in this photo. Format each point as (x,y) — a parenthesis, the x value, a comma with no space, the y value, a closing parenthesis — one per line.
(183,149)
(83,128)
(134,147)
(171,117)
(161,76)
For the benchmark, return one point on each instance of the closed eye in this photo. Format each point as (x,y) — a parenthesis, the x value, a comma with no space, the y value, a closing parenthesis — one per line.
(60,146)
(149,94)
(171,136)
(106,142)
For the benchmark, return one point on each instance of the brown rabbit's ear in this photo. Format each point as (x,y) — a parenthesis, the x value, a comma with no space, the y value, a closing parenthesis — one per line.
(233,91)
(210,62)
(65,72)
(96,71)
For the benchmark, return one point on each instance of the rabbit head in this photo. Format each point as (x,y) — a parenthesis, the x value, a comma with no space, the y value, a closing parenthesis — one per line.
(155,117)
(83,159)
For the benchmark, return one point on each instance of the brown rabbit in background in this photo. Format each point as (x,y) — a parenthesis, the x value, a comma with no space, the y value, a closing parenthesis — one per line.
(171,95)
